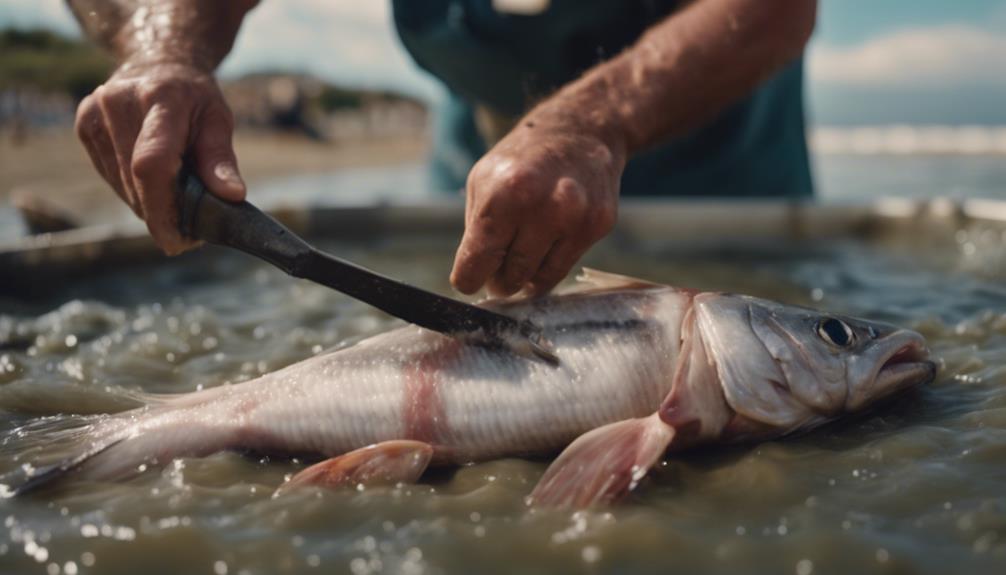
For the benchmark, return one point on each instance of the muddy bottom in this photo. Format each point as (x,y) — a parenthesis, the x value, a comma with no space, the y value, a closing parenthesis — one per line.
(915,486)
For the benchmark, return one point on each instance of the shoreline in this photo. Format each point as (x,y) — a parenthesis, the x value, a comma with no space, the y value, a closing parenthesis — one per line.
(51,165)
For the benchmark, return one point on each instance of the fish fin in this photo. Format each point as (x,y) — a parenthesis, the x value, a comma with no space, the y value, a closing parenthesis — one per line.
(52,447)
(603,465)
(105,446)
(695,406)
(388,462)
(591,278)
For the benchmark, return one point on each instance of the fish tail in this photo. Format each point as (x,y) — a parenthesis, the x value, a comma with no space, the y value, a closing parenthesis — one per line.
(50,447)
(108,446)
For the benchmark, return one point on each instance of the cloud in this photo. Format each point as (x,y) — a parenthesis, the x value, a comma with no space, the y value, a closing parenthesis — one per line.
(36,13)
(930,57)
(346,41)
(342,40)
(354,42)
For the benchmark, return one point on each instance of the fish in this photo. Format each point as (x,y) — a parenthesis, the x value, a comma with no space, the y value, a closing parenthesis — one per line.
(645,370)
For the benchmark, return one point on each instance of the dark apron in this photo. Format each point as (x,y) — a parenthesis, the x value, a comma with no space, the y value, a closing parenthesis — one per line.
(497,65)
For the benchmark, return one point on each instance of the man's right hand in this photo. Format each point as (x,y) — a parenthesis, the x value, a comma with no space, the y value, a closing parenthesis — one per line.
(139,124)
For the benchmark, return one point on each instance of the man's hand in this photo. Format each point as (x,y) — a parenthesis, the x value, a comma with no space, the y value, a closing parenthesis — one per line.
(161,104)
(536,202)
(548,190)
(138,125)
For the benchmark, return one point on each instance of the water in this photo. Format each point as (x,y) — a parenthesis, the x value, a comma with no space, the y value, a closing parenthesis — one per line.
(838,177)
(917,486)
(846,177)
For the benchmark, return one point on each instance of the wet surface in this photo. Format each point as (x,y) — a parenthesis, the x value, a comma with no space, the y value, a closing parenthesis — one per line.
(915,486)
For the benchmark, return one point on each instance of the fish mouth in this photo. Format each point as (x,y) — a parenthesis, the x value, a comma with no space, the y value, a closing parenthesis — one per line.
(903,363)
(907,365)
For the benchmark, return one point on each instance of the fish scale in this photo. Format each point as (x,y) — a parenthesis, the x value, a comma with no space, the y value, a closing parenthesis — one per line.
(493,402)
(644,369)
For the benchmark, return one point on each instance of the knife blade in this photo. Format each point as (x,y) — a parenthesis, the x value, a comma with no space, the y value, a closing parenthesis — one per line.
(242,226)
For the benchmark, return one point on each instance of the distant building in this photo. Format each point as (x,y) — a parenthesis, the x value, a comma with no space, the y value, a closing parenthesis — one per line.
(306,104)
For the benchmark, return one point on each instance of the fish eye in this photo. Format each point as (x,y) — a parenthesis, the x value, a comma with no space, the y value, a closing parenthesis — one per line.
(835,332)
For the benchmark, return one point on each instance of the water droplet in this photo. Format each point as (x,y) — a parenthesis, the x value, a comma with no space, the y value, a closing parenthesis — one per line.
(804,567)
(220,568)
(984,543)
(41,555)
(882,555)
(966,522)
(591,554)
(359,566)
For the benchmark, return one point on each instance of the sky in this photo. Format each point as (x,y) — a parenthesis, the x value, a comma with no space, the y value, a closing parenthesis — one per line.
(870,61)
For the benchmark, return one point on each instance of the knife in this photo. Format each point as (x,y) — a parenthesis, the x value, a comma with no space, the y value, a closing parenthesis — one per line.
(242,226)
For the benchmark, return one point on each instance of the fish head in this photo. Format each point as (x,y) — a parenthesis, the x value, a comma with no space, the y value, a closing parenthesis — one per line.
(791,367)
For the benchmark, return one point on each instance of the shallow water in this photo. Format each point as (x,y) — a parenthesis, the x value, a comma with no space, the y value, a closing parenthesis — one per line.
(916,486)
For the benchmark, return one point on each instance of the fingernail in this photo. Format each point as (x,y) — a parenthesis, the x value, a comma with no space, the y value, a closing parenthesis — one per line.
(228,173)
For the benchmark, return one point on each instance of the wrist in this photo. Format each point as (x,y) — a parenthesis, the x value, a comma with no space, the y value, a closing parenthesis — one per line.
(158,58)
(591,107)
(165,34)
(572,115)
(614,97)
(154,66)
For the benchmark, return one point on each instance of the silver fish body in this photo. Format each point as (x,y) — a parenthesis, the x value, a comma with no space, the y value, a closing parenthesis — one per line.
(707,366)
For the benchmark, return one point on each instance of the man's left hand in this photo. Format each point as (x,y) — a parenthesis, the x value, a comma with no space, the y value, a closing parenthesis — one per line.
(535,203)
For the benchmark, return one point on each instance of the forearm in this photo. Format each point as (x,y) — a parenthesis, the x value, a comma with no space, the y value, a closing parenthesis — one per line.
(687,68)
(192,32)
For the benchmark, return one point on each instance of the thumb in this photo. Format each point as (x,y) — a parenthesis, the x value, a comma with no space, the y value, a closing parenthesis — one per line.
(214,153)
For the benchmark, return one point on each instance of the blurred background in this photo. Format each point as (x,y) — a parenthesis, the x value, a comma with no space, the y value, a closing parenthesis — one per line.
(905,98)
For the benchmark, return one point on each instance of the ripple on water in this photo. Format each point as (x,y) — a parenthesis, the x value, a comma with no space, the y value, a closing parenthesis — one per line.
(915,486)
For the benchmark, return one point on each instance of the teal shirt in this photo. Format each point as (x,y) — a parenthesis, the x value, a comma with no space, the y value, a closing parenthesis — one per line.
(505,62)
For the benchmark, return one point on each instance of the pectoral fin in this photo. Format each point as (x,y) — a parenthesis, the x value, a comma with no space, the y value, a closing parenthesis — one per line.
(603,465)
(385,463)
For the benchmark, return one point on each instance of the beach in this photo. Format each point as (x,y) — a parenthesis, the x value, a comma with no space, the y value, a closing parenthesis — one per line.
(51,164)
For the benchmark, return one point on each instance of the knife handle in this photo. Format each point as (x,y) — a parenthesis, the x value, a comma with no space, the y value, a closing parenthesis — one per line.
(240,225)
